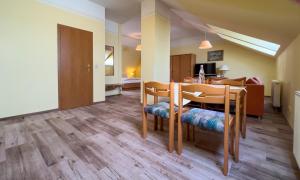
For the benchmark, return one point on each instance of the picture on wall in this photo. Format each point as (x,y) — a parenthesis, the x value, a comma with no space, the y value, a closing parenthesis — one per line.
(215,55)
(109,61)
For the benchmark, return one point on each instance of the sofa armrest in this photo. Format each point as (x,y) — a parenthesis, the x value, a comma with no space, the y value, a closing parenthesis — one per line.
(255,99)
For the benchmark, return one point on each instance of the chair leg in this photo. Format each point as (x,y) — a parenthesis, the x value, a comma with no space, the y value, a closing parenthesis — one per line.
(155,123)
(232,136)
(144,133)
(161,124)
(244,117)
(187,131)
(171,134)
(225,165)
(179,139)
(244,126)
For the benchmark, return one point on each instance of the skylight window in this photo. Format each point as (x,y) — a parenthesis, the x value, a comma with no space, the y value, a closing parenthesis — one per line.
(247,41)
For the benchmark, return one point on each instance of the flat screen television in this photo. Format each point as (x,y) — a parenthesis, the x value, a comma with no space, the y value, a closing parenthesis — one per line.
(209,69)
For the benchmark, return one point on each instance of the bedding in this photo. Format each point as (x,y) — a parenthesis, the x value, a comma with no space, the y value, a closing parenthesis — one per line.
(131,80)
(131,83)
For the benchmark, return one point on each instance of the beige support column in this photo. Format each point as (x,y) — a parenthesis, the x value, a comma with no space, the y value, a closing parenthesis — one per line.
(155,30)
(155,55)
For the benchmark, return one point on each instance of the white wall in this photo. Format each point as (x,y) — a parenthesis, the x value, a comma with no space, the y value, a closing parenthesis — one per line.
(288,64)
(113,38)
(131,62)
(28,58)
(296,140)
(241,61)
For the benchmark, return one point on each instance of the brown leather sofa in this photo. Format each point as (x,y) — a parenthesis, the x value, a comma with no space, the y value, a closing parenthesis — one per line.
(255,97)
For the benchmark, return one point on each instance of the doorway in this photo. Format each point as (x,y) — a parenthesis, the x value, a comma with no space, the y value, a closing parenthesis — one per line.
(75,67)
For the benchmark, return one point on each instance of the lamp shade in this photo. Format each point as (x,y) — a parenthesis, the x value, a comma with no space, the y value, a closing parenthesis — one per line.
(224,68)
(205,45)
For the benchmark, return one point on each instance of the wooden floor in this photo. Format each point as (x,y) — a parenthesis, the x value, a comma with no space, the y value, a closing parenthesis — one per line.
(103,141)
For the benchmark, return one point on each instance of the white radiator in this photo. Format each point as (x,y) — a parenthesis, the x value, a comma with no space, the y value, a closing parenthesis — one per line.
(296,148)
(276,90)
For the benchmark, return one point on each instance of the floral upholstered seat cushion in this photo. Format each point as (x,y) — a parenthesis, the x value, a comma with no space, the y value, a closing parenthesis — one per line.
(206,119)
(161,109)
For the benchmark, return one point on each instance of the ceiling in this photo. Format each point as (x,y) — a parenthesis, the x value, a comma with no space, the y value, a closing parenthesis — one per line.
(128,13)
(120,11)
(179,30)
(277,21)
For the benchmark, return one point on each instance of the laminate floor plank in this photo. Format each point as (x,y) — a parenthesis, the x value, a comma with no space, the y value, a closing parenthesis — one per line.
(52,148)
(2,145)
(109,173)
(73,170)
(24,162)
(82,127)
(157,156)
(14,134)
(103,141)
(129,165)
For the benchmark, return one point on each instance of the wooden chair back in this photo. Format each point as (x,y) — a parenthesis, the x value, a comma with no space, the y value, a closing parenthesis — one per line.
(231,82)
(157,89)
(210,79)
(188,80)
(209,94)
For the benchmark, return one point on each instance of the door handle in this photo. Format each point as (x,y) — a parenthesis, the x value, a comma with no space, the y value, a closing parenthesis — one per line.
(89,67)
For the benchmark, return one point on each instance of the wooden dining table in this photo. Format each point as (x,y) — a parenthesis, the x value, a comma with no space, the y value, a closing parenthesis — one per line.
(238,95)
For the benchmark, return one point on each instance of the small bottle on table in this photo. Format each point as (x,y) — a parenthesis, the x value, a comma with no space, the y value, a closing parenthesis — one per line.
(201,78)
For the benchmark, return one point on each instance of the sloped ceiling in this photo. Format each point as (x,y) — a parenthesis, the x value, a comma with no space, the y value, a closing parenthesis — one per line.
(276,21)
(120,11)
(182,33)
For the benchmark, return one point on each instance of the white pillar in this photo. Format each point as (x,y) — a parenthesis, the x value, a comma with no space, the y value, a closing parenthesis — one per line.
(155,55)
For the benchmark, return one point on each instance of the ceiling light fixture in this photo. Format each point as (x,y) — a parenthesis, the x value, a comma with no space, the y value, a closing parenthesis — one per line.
(205,44)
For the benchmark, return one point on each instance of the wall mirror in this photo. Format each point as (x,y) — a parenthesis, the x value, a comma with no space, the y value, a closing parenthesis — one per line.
(109,60)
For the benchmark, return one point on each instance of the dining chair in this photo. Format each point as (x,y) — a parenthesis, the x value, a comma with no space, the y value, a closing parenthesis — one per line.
(221,122)
(162,110)
(188,80)
(232,82)
(236,82)
(214,79)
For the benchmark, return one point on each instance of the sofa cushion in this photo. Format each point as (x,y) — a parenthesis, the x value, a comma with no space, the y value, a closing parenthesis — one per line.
(206,119)
(251,81)
(161,109)
(258,80)
(254,80)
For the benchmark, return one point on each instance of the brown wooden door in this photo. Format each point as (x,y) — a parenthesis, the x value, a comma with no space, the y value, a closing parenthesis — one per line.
(182,66)
(185,65)
(75,49)
(175,68)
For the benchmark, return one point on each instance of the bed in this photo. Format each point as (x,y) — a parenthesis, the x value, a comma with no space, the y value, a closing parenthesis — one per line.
(131,83)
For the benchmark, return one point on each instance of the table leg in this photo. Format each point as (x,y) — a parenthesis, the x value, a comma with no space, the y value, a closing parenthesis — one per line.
(237,127)
(244,116)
